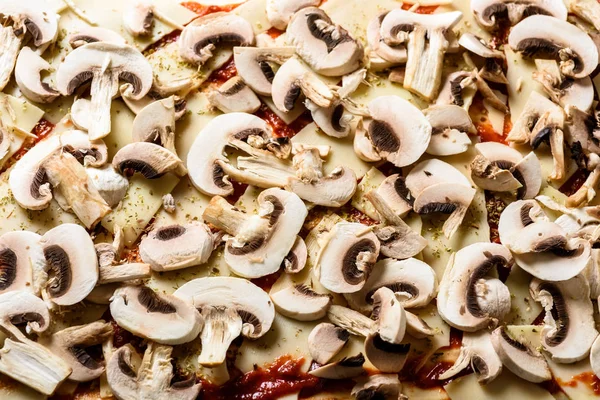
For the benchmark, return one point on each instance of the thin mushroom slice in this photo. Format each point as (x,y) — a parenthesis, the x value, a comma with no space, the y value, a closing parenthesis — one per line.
(426,42)
(28,70)
(352,321)
(389,314)
(569,330)
(91,34)
(396,195)
(333,120)
(22,262)
(416,326)
(280,12)
(149,159)
(399,131)
(174,247)
(111,185)
(234,96)
(431,172)
(478,352)
(451,126)
(230,306)
(516,216)
(542,36)
(301,303)
(386,357)
(200,38)
(72,264)
(162,318)
(458,89)
(295,261)
(156,123)
(254,65)
(150,377)
(104,64)
(520,358)
(347,259)
(325,341)
(326,47)
(490,14)
(565,91)
(22,307)
(467,300)
(478,46)
(491,169)
(333,190)
(345,368)
(70,344)
(392,54)
(380,386)
(363,146)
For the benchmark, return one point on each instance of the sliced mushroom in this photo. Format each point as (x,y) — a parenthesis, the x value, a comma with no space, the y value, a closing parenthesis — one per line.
(491,13)
(564,91)
(431,172)
(390,315)
(22,307)
(345,368)
(230,307)
(90,34)
(386,357)
(131,377)
(391,54)
(347,259)
(426,42)
(333,190)
(111,185)
(325,341)
(411,277)
(70,344)
(149,159)
(234,96)
(464,288)
(542,36)
(416,326)
(294,79)
(138,17)
(381,386)
(333,120)
(173,247)
(399,131)
(72,264)
(478,352)
(104,64)
(516,216)
(363,146)
(260,242)
(253,65)
(159,317)
(22,262)
(295,261)
(458,89)
(520,358)
(200,38)
(352,321)
(326,47)
(478,46)
(451,126)
(300,302)
(569,330)
(28,70)
(156,123)
(396,195)
(280,12)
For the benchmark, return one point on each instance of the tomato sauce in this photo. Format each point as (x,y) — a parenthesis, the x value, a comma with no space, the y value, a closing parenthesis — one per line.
(587,378)
(162,42)
(420,10)
(279,127)
(274,32)
(42,129)
(267,282)
(223,74)
(203,10)
(485,130)
(573,184)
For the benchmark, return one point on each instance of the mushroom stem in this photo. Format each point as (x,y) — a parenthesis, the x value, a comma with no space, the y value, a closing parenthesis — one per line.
(353,321)
(105,85)
(558,155)
(221,326)
(9,50)
(587,191)
(124,272)
(224,216)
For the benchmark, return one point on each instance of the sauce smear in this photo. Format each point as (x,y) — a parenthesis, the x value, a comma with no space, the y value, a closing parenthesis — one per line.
(41,131)
(587,378)
(280,128)
(485,130)
(420,10)
(203,10)
(223,74)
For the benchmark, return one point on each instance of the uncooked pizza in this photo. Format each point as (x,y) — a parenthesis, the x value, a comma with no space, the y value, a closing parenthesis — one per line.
(299,199)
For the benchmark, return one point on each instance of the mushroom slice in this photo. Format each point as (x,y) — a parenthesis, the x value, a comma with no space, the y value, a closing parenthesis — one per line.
(411,277)
(111,185)
(234,96)
(539,119)
(516,216)
(280,12)
(390,315)
(465,281)
(392,54)
(301,303)
(325,341)
(70,344)
(399,131)
(478,46)
(72,264)
(520,358)
(363,147)
(163,318)
(22,307)
(333,190)
(386,357)
(352,321)
(156,123)
(458,89)
(230,306)
(200,38)
(348,367)
(326,47)
(260,242)
(346,260)
(149,159)
(569,330)
(451,126)
(206,173)
(564,91)
(104,64)
(396,195)
(333,120)
(426,42)
(431,172)
(416,326)
(542,36)
(91,34)
(380,386)
(490,14)
(295,261)
(253,65)
(478,352)
(130,377)
(22,262)
(175,247)
(138,17)
(28,70)
(294,79)
(446,198)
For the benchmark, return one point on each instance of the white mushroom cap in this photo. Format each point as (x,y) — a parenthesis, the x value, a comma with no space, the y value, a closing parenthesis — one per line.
(23,263)
(487,12)
(333,120)
(28,71)
(253,65)
(516,216)
(295,261)
(165,319)
(595,357)
(325,341)
(38,18)
(138,17)
(558,39)
(390,315)
(386,357)
(201,37)
(72,263)
(280,12)
(451,126)
(90,34)
(173,247)
(156,123)
(476,45)
(111,185)
(399,131)
(348,367)
(346,260)
(333,190)
(149,159)
(301,303)
(21,307)
(380,386)
(234,96)
(391,54)
(394,192)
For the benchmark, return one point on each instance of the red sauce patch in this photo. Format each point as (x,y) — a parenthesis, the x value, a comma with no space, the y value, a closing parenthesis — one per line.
(485,130)
(162,42)
(267,282)
(203,10)
(587,378)
(282,377)
(274,32)
(41,130)
(223,74)
(551,386)
(573,184)
(420,10)
(279,127)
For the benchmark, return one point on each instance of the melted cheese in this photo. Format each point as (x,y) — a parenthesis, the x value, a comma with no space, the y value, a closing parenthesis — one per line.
(505,387)
(370,181)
